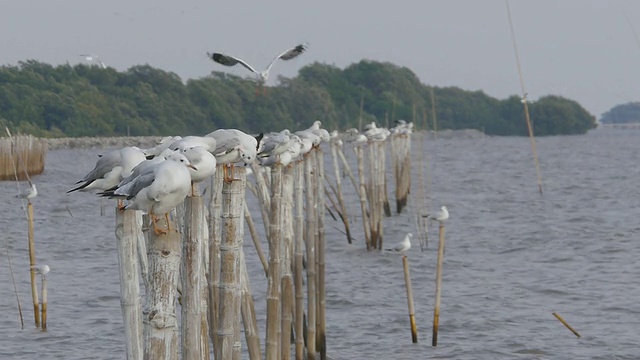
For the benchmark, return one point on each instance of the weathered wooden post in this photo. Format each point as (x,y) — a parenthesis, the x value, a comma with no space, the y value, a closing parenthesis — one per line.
(32,263)
(43,283)
(232,211)
(335,144)
(192,271)
(128,231)
(436,308)
(287,296)
(362,193)
(407,283)
(311,206)
(255,238)
(248,312)
(321,321)
(298,267)
(163,250)
(215,234)
(274,280)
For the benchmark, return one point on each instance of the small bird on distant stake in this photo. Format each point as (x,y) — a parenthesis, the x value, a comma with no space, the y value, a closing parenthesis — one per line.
(404,245)
(440,216)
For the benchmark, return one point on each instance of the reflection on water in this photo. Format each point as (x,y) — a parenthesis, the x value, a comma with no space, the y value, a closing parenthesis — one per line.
(513,257)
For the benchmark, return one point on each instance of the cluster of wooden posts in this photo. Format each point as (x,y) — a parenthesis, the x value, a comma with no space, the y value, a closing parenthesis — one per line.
(20,155)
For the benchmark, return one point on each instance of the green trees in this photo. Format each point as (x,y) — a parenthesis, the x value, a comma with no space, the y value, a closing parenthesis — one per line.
(84,100)
(625,113)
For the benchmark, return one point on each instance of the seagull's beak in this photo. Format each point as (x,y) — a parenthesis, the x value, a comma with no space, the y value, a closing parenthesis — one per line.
(193,167)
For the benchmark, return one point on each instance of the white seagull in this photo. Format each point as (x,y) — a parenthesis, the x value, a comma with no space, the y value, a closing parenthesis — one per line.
(404,245)
(233,146)
(41,269)
(29,194)
(441,215)
(110,169)
(263,76)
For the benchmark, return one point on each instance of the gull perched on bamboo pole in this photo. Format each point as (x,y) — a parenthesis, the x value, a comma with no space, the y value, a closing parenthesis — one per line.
(263,76)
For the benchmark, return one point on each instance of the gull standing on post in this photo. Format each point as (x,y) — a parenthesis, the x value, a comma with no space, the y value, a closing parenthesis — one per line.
(29,194)
(263,76)
(233,146)
(441,215)
(404,245)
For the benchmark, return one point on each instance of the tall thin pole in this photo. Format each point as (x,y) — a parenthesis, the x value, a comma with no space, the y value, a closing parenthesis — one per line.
(436,308)
(524,100)
(32,263)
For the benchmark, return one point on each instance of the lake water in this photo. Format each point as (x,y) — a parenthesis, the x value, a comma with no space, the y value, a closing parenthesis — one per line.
(512,258)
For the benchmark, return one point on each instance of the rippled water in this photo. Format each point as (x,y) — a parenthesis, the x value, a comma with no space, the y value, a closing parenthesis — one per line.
(512,258)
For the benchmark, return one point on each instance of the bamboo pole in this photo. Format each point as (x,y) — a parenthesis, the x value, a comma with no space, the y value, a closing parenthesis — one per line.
(363,197)
(233,194)
(299,243)
(321,343)
(32,263)
(204,288)
(274,280)
(433,112)
(215,234)
(347,168)
(127,236)
(191,271)
(311,205)
(524,101)
(407,283)
(161,340)
(343,206)
(566,324)
(248,312)
(263,196)
(382,174)
(287,292)
(436,308)
(256,238)
(43,318)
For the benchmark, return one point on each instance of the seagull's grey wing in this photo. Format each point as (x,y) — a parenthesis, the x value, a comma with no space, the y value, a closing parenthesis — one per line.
(105,164)
(225,141)
(132,189)
(288,54)
(227,60)
(268,147)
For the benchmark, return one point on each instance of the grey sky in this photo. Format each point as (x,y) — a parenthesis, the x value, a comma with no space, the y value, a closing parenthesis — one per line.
(584,50)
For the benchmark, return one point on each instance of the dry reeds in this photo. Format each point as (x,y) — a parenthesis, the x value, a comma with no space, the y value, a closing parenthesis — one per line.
(21,155)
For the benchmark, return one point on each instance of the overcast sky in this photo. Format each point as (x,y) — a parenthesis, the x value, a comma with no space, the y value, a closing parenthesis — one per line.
(581,49)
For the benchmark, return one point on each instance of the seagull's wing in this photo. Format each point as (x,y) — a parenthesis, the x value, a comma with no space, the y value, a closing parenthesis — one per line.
(132,189)
(227,60)
(288,54)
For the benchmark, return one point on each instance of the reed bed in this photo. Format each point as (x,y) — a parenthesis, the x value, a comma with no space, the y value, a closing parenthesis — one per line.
(21,155)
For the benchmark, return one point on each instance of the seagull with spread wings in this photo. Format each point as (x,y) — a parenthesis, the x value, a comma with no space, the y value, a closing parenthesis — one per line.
(263,76)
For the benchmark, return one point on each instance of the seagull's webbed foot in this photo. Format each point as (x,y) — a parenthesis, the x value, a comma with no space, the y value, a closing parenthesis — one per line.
(156,229)
(120,205)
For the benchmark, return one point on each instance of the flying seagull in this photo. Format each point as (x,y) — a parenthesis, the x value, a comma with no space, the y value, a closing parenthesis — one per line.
(228,60)
(90,57)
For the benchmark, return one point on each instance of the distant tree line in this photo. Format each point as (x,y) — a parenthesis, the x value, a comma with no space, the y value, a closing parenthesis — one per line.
(85,100)
(622,114)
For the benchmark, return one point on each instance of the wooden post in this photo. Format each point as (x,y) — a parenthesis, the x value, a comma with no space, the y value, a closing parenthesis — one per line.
(214,254)
(407,283)
(343,206)
(566,324)
(299,244)
(32,263)
(286,292)
(311,205)
(161,340)
(275,248)
(248,312)
(263,196)
(321,343)
(127,236)
(43,280)
(436,309)
(192,270)
(233,194)
(347,168)
(363,197)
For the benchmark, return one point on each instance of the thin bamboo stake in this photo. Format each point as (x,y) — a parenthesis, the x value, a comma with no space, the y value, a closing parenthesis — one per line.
(524,100)
(566,324)
(361,108)
(347,168)
(321,320)
(343,206)
(215,234)
(248,312)
(407,283)
(32,263)
(191,271)
(275,249)
(256,239)
(204,289)
(263,192)
(299,243)
(436,308)
(311,205)
(287,292)
(433,112)
(43,281)
(127,235)
(382,181)
(161,339)
(363,197)
(233,194)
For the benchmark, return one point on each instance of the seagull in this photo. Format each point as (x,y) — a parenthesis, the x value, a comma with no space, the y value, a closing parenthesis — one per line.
(29,194)
(203,161)
(263,76)
(110,169)
(404,245)
(90,57)
(158,189)
(233,146)
(42,269)
(163,144)
(440,216)
(207,142)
